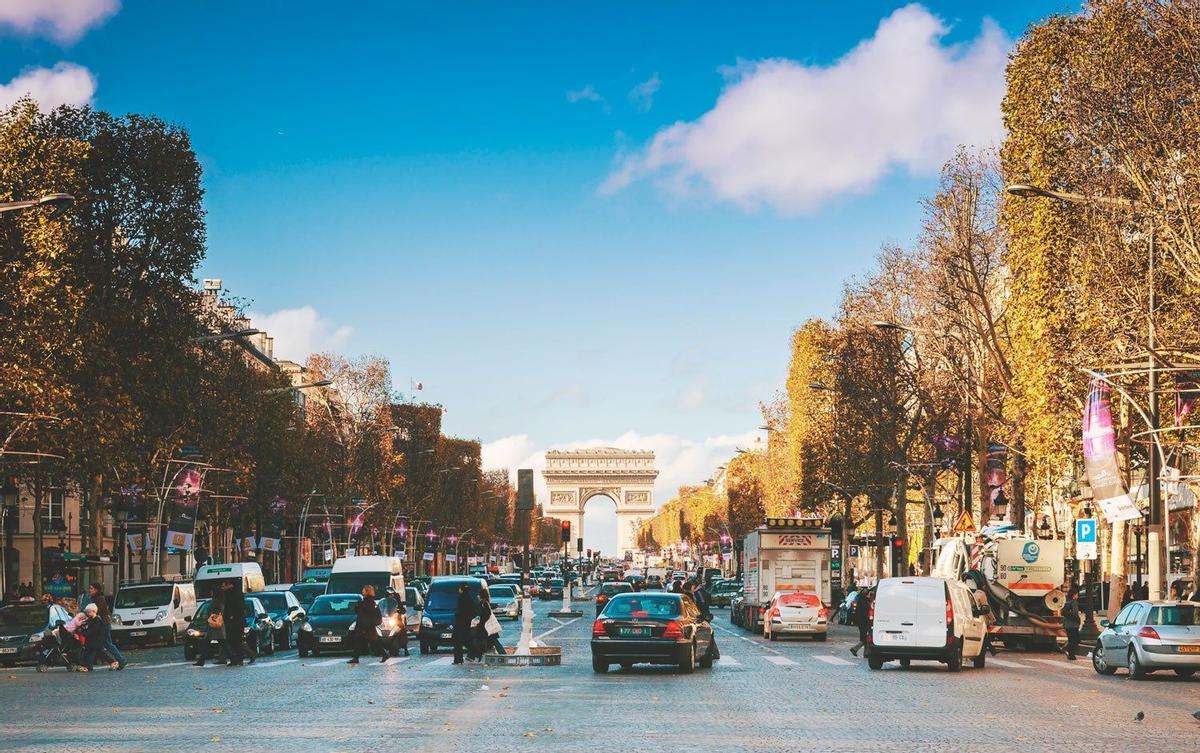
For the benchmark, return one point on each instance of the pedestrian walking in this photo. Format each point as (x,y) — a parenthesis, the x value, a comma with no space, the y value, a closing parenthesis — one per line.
(1070,618)
(94,632)
(862,618)
(234,611)
(215,631)
(366,619)
(465,611)
(96,594)
(487,635)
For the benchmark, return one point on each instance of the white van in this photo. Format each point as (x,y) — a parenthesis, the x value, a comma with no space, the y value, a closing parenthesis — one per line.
(248,575)
(926,618)
(350,574)
(157,611)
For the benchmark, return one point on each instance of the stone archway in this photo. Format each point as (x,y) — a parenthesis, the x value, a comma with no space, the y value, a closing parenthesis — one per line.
(625,476)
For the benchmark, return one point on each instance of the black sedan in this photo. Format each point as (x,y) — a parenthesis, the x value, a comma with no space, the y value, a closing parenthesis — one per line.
(551,589)
(286,615)
(653,628)
(607,591)
(258,628)
(21,627)
(327,625)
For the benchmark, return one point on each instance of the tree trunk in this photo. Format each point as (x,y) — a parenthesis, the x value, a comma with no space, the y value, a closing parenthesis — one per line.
(1019,469)
(902,523)
(927,488)
(1117,566)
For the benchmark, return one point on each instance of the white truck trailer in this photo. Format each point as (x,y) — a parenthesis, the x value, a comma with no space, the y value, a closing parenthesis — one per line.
(784,555)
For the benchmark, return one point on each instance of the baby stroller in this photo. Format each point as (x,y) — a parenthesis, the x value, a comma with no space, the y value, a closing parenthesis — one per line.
(58,647)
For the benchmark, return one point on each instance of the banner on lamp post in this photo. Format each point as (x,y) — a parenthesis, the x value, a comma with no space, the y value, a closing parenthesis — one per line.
(1100,458)
(184,494)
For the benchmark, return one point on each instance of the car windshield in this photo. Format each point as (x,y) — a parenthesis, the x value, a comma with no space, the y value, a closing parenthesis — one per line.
(306,593)
(443,598)
(609,589)
(799,600)
(31,617)
(643,606)
(333,605)
(1180,615)
(274,601)
(352,583)
(202,611)
(410,595)
(556,582)
(502,592)
(143,596)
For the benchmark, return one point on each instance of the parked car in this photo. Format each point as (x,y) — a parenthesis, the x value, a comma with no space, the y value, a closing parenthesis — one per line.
(796,613)
(307,593)
(926,618)
(654,628)
(505,602)
(609,590)
(286,615)
(258,628)
(21,627)
(1148,636)
(326,625)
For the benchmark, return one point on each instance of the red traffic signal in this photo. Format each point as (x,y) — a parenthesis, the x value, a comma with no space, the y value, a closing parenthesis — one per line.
(566,531)
(898,543)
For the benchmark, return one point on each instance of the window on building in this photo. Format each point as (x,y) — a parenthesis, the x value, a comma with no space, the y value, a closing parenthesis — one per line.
(54,514)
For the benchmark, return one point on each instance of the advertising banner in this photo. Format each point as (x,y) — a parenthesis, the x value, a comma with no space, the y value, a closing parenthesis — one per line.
(184,496)
(1100,458)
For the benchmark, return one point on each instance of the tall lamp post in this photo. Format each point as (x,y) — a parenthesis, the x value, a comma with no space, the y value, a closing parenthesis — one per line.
(10,497)
(59,203)
(1158,519)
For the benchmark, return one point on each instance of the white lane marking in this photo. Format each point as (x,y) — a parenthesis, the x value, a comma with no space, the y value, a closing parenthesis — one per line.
(327,662)
(729,661)
(835,660)
(554,629)
(443,661)
(1062,663)
(781,661)
(157,666)
(391,660)
(1010,664)
(272,663)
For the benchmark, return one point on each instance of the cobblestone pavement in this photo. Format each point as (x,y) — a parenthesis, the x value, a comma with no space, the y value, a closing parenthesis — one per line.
(792,696)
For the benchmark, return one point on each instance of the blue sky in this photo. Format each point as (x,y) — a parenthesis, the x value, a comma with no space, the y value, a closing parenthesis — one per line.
(493,196)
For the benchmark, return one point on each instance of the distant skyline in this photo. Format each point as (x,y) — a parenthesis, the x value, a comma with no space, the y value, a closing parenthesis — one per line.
(576,224)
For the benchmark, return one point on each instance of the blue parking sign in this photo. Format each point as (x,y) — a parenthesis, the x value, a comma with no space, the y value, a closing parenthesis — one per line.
(1085,531)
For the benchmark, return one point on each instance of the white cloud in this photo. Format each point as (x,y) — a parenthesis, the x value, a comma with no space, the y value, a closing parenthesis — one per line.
(586,94)
(299,332)
(692,396)
(62,20)
(642,95)
(790,135)
(64,84)
(680,461)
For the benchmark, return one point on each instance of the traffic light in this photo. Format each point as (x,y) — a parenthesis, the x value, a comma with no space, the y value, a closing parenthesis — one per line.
(897,557)
(566,531)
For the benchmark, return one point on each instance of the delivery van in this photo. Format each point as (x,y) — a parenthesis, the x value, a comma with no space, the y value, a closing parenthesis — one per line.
(156,611)
(247,577)
(926,618)
(350,574)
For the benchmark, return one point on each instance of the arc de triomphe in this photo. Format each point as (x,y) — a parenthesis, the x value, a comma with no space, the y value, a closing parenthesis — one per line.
(625,476)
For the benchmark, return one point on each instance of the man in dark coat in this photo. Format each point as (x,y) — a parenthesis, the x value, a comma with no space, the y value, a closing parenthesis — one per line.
(466,610)
(367,617)
(234,611)
(862,618)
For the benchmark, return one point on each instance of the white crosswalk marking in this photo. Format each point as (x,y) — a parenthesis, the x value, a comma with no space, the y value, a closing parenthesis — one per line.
(1063,663)
(729,661)
(272,663)
(781,661)
(1009,664)
(157,666)
(835,660)
(443,661)
(391,660)
(327,662)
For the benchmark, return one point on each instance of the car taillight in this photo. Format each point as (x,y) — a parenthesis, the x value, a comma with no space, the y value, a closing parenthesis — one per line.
(871,612)
(949,622)
(673,630)
(775,612)
(1148,632)
(822,613)
(598,630)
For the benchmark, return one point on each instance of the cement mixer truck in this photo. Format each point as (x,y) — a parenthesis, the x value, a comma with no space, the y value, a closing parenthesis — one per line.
(1022,578)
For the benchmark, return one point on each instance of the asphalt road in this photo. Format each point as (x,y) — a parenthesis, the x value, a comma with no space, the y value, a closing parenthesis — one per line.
(794,696)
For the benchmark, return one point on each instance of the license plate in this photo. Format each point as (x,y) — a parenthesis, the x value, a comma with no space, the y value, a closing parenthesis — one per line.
(897,636)
(447,635)
(1189,649)
(330,639)
(8,651)
(136,633)
(634,632)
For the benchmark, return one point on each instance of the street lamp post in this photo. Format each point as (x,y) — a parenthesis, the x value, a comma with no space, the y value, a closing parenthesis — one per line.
(59,203)
(1158,519)
(10,497)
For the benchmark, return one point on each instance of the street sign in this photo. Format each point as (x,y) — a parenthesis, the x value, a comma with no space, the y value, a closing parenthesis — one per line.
(853,550)
(965,523)
(579,544)
(1085,539)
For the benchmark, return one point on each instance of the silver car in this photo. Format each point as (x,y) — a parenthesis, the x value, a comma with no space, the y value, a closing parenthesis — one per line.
(504,601)
(1148,636)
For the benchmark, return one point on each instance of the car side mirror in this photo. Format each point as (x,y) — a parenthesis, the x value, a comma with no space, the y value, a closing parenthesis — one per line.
(1105,623)
(980,611)
(176,602)
(293,608)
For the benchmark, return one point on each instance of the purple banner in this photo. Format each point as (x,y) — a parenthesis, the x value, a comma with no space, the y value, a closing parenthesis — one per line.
(1100,457)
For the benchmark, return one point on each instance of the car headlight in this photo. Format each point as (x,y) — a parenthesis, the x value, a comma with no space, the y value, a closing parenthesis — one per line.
(306,627)
(162,615)
(279,624)
(512,607)
(426,622)
(246,630)
(389,622)
(115,620)
(353,625)
(193,633)
(36,637)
